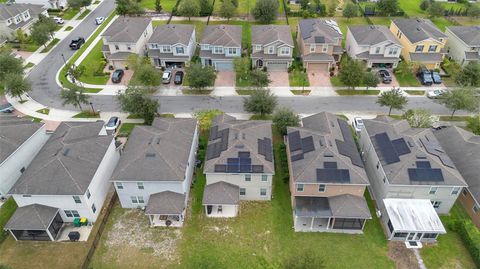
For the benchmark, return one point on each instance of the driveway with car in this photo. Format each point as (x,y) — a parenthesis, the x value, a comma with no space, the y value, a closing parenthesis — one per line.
(225,79)
(278,78)
(393,83)
(127,76)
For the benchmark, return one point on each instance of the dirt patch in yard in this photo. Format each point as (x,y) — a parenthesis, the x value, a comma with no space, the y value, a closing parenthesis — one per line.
(404,258)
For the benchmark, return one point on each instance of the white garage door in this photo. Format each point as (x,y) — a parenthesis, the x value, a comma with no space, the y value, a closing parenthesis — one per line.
(273,66)
(224,66)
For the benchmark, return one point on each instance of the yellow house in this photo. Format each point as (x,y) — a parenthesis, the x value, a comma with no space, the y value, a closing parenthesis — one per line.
(422,41)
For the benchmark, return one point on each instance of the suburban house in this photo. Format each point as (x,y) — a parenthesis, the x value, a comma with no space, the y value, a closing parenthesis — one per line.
(14,17)
(155,169)
(463,44)
(374,44)
(220,45)
(20,140)
(126,36)
(320,43)
(238,164)
(411,177)
(53,4)
(272,47)
(463,147)
(67,179)
(422,41)
(172,45)
(327,179)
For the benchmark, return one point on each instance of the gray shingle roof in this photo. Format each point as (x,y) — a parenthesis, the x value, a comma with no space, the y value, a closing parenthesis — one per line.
(32,217)
(468,34)
(367,56)
(14,131)
(266,34)
(126,29)
(68,161)
(472,55)
(318,31)
(349,206)
(222,35)
(324,130)
(323,57)
(419,29)
(416,139)
(170,34)
(426,57)
(221,193)
(372,34)
(158,152)
(166,202)
(11,10)
(261,55)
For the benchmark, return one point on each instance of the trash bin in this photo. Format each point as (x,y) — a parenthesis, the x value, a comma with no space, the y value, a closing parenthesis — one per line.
(74,236)
(83,222)
(76,222)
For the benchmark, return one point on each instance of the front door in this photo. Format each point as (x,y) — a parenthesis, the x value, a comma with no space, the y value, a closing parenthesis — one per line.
(414,236)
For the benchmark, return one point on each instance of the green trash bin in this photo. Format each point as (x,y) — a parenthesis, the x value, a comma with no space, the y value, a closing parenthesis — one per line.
(76,222)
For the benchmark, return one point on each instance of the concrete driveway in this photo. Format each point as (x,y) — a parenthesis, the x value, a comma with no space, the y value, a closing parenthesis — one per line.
(394,82)
(319,78)
(225,79)
(278,79)
(127,76)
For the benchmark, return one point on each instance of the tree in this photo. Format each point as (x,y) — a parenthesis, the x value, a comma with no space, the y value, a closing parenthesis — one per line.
(205,117)
(135,101)
(461,99)
(420,118)
(387,7)
(392,99)
(259,78)
(76,4)
(227,9)
(306,260)
(40,34)
(285,117)
(205,7)
(370,80)
(404,67)
(473,124)
(189,8)
(9,65)
(436,10)
(261,102)
(425,4)
(473,11)
(49,23)
(16,85)
(469,76)
(147,75)
(76,72)
(304,4)
(199,77)
(74,96)
(158,6)
(128,7)
(350,11)
(265,11)
(242,67)
(352,72)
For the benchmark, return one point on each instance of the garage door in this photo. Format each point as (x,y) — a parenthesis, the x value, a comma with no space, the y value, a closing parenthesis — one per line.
(274,66)
(318,67)
(224,66)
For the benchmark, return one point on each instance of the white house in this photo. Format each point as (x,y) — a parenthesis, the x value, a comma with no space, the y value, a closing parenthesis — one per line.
(15,17)
(272,47)
(156,168)
(20,140)
(463,44)
(172,45)
(374,44)
(53,4)
(220,45)
(70,174)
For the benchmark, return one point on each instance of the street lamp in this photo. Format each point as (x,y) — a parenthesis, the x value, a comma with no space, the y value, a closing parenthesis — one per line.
(93,110)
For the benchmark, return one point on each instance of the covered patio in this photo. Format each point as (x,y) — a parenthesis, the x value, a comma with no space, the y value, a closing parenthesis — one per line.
(221,200)
(166,209)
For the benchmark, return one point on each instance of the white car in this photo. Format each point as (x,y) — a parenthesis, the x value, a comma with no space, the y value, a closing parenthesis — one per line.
(358,124)
(433,94)
(112,124)
(167,76)
(99,20)
(58,20)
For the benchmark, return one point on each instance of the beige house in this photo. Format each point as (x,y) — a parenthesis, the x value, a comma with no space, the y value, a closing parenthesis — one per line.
(272,47)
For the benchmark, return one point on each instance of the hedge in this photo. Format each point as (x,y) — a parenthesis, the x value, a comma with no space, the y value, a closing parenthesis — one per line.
(470,236)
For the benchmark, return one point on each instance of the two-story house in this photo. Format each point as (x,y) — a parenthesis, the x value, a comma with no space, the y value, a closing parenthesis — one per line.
(15,17)
(463,44)
(156,168)
(320,44)
(20,140)
(374,44)
(411,178)
(124,37)
(54,4)
(67,179)
(272,47)
(220,45)
(422,41)
(238,164)
(327,179)
(172,45)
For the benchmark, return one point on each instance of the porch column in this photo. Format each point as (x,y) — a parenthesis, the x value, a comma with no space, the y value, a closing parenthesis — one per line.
(363,224)
(333,222)
(328,223)
(13,235)
(311,225)
(50,235)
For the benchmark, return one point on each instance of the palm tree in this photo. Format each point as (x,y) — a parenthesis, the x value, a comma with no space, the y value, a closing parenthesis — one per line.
(74,96)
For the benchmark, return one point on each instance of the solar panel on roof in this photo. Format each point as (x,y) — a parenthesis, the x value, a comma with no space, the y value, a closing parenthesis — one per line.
(400,146)
(425,174)
(423,164)
(297,157)
(386,148)
(244,154)
(436,150)
(220,168)
(257,168)
(330,165)
(307,144)
(261,147)
(232,160)
(319,39)
(213,132)
(333,175)
(245,161)
(244,168)
(294,141)
(233,168)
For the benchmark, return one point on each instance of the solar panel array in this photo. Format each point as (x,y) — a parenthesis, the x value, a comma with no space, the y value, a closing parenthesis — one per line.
(319,39)
(391,150)
(265,148)
(437,150)
(296,143)
(241,164)
(215,149)
(348,147)
(425,174)
(333,175)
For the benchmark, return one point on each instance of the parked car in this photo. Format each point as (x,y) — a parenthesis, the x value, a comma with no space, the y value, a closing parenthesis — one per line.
(425,76)
(58,20)
(167,76)
(112,124)
(434,94)
(436,78)
(75,44)
(385,76)
(99,20)
(358,124)
(178,79)
(117,76)
(6,108)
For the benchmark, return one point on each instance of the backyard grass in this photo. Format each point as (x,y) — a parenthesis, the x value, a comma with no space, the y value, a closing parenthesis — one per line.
(29,65)
(343,24)
(50,45)
(415,92)
(94,64)
(44,111)
(84,14)
(358,92)
(298,79)
(70,13)
(69,28)
(454,118)
(126,129)
(441,23)
(167,5)
(86,115)
(6,211)
(411,8)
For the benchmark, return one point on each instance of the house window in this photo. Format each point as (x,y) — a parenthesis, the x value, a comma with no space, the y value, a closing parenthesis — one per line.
(263,192)
(433,190)
(432,48)
(322,187)
(419,48)
(475,208)
(264,178)
(119,186)
(390,226)
(94,209)
(392,51)
(140,200)
(88,194)
(232,51)
(243,191)
(400,235)
(77,199)
(455,190)
(137,199)
(129,47)
(71,213)
(430,235)
(140,186)
(18,18)
(258,47)
(324,48)
(217,50)
(464,192)
(248,177)
(9,21)
(154,46)
(436,204)
(116,47)
(285,51)
(180,50)
(300,187)
(378,165)
(270,50)
(377,50)
(166,49)
(312,48)
(22,170)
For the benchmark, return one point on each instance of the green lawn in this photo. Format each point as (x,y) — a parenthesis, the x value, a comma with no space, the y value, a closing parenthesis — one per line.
(84,14)
(358,92)
(167,5)
(86,115)
(50,45)
(94,62)
(412,7)
(70,13)
(441,23)
(381,20)
(407,80)
(69,28)
(6,211)
(298,79)
(343,23)
(29,65)
(126,129)
(45,111)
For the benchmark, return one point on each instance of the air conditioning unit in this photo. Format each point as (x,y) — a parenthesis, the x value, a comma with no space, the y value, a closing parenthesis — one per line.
(379,213)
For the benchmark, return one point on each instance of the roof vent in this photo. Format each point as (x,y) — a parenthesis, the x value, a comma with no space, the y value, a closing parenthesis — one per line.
(418,29)
(150,155)
(65,152)
(158,140)
(243,136)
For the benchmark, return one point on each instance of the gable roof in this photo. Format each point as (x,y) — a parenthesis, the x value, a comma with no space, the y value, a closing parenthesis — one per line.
(223,35)
(231,140)
(126,29)
(266,34)
(319,31)
(171,34)
(419,29)
(68,161)
(468,34)
(221,193)
(8,11)
(166,202)
(372,34)
(14,131)
(158,152)
(404,151)
(32,217)
(323,151)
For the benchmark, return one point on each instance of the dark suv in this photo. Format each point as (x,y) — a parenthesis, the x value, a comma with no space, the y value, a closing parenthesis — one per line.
(117,76)
(75,44)
(425,76)
(385,76)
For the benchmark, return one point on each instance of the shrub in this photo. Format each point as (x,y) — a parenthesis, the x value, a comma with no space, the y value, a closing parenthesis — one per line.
(470,237)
